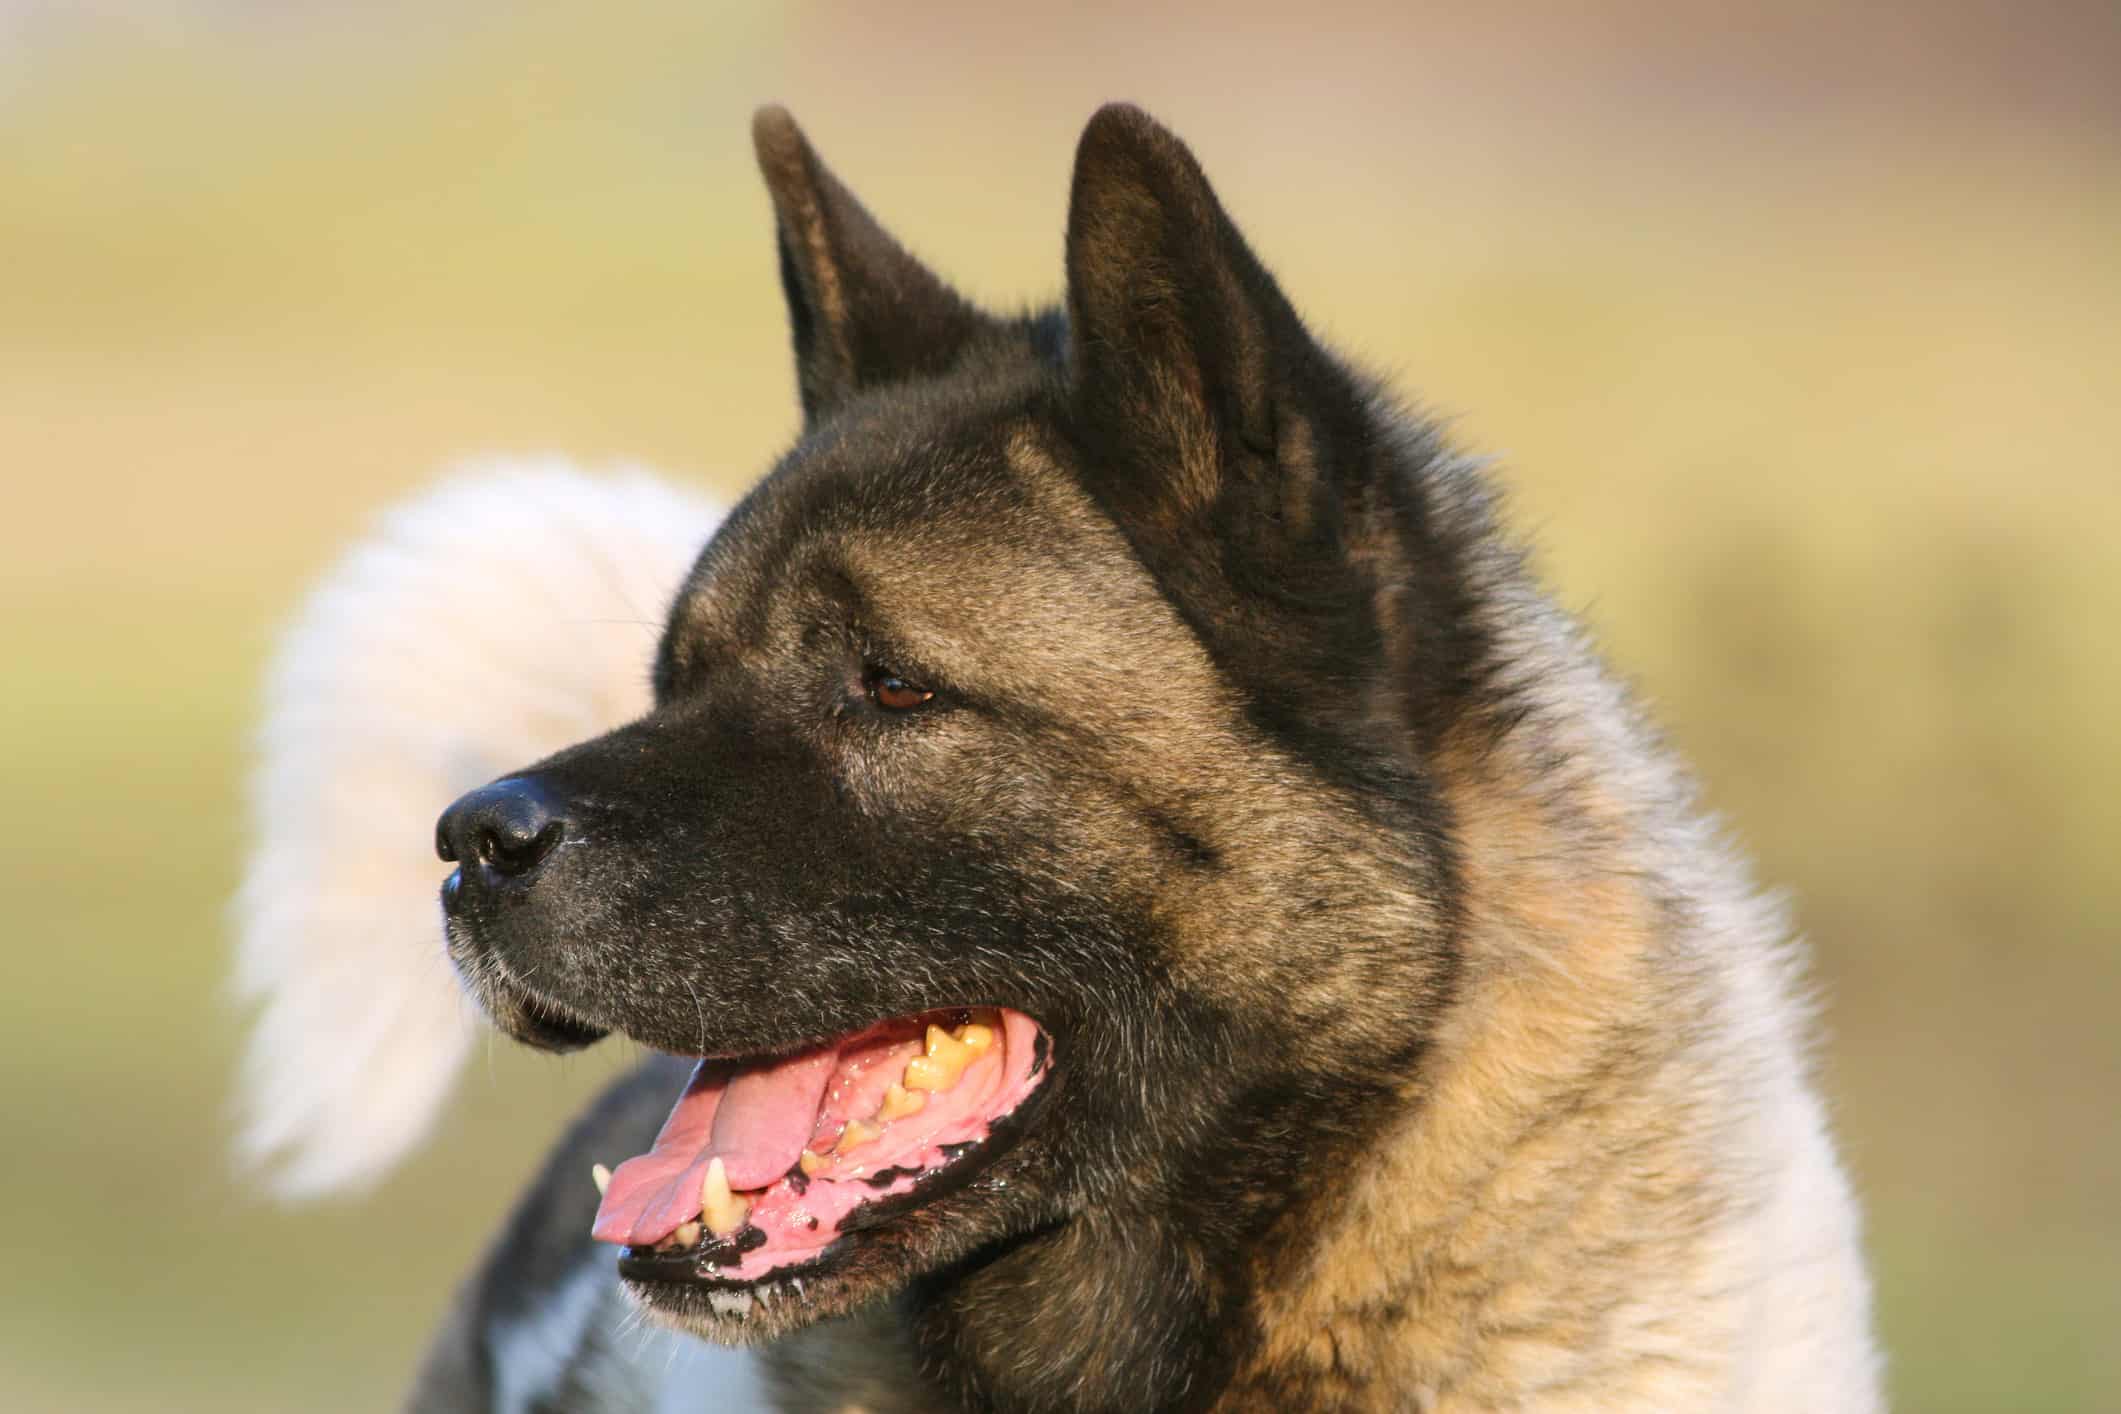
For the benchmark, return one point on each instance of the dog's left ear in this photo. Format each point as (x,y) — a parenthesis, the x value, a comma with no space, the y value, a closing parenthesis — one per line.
(864,312)
(1179,334)
(1241,459)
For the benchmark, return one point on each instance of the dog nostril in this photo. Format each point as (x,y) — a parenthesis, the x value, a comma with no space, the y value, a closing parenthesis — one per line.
(516,843)
(514,854)
(508,827)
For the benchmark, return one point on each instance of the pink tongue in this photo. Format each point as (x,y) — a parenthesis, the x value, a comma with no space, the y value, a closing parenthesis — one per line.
(756,1123)
(766,1117)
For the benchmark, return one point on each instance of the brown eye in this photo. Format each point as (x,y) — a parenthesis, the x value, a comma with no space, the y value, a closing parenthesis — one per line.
(896,694)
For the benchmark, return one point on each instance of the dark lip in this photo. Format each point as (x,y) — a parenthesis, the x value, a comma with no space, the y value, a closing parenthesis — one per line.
(651,1268)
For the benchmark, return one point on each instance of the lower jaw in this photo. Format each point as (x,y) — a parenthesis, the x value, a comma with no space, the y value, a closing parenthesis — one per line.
(754,1312)
(689,1290)
(804,1291)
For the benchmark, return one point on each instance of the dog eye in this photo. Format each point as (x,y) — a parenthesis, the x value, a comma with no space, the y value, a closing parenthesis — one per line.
(895,693)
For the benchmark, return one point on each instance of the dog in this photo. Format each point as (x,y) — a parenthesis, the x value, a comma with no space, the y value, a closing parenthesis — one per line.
(1139,900)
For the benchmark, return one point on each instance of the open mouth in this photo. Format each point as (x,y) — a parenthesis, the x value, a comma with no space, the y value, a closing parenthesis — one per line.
(765,1167)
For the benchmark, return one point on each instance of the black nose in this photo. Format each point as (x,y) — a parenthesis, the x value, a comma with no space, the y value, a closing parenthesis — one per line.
(509,826)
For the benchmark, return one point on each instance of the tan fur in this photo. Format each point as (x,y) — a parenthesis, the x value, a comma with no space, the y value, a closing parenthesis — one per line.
(1612,1189)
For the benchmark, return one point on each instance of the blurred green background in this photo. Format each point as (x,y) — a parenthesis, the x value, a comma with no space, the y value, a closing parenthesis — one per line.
(1798,336)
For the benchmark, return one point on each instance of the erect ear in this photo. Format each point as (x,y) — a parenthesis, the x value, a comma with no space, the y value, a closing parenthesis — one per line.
(863,311)
(1178,333)
(1248,468)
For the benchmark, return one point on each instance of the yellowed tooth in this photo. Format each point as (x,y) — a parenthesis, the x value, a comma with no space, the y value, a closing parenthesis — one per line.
(809,1163)
(856,1133)
(943,1046)
(900,1102)
(932,1073)
(977,1038)
(601,1176)
(720,1209)
(687,1235)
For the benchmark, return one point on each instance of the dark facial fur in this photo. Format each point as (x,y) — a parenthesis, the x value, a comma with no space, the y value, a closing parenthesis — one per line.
(1183,590)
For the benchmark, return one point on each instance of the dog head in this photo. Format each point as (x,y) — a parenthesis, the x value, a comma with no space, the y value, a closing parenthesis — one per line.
(1031,833)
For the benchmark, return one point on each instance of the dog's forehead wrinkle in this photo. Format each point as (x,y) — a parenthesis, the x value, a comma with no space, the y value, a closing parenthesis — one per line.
(872,517)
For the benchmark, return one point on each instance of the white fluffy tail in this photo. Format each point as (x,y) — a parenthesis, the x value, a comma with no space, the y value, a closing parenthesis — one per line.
(509,612)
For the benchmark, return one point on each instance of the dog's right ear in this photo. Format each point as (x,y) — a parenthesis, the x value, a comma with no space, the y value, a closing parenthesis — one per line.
(863,311)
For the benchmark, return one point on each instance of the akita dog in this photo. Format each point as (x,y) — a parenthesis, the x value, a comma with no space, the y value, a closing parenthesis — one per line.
(1142,901)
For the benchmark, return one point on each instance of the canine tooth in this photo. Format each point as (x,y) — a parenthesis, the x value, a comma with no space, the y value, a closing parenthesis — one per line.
(900,1102)
(932,1073)
(809,1163)
(601,1176)
(856,1133)
(687,1234)
(976,1037)
(720,1209)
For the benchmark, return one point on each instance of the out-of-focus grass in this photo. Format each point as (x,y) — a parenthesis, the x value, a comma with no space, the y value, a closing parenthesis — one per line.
(1812,408)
